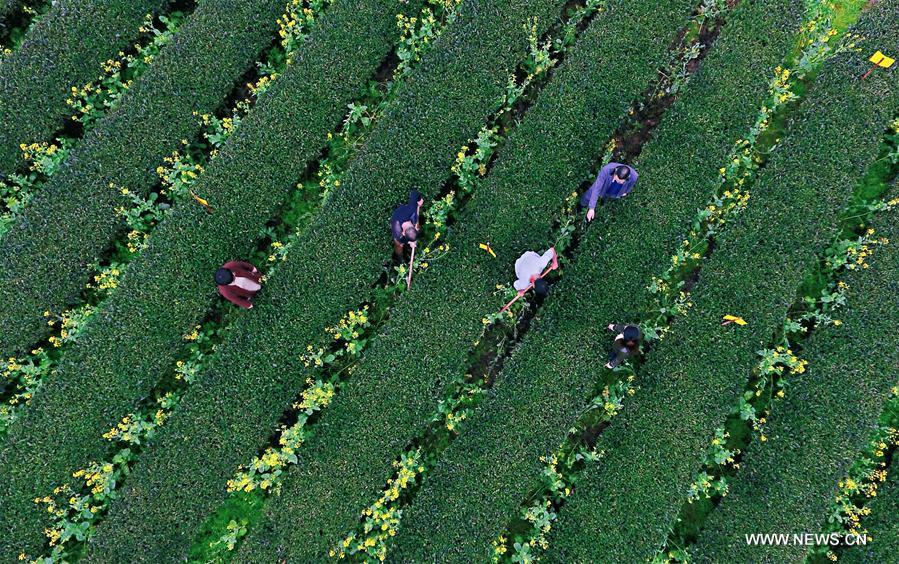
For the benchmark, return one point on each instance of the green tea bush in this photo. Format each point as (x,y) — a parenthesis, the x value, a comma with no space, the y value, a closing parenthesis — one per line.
(73,221)
(883,541)
(492,466)
(625,505)
(64,49)
(446,99)
(787,483)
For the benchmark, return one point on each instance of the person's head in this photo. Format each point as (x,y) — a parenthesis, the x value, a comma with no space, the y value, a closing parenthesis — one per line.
(411,234)
(223,276)
(622,173)
(631,334)
(541,287)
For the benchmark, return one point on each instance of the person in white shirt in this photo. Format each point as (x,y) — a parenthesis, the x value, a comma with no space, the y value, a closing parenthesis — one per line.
(529,268)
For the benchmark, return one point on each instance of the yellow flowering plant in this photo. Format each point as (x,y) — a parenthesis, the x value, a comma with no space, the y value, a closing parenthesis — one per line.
(91,101)
(41,161)
(861,483)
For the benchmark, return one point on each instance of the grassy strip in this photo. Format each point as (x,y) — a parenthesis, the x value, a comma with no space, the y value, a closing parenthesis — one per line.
(479,483)
(467,71)
(365,427)
(788,480)
(883,528)
(625,504)
(73,220)
(64,48)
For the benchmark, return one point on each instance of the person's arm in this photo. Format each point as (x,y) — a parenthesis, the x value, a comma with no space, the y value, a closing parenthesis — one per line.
(396,226)
(248,268)
(617,327)
(236,296)
(629,185)
(595,190)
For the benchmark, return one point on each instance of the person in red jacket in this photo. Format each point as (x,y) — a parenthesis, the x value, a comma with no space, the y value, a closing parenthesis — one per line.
(238,282)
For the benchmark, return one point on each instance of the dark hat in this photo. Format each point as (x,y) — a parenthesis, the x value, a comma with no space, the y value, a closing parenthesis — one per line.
(541,287)
(223,276)
(631,333)
(623,172)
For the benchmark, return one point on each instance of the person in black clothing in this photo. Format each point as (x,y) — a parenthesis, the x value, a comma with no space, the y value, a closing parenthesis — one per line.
(405,224)
(625,345)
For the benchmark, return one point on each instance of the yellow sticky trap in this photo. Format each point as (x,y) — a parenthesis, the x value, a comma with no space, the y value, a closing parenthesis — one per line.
(733,319)
(486,247)
(882,60)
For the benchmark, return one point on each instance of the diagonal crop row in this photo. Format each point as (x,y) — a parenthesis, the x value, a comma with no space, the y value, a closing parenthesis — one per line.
(335,362)
(624,505)
(858,489)
(446,308)
(502,332)
(135,430)
(487,472)
(183,166)
(818,302)
(467,71)
(883,529)
(788,479)
(64,48)
(90,102)
(178,179)
(72,221)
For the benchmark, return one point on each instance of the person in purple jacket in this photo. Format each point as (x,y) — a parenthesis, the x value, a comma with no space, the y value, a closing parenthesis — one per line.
(615,181)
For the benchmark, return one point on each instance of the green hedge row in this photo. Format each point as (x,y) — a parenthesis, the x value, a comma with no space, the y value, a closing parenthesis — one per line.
(413,364)
(72,221)
(229,413)
(64,49)
(788,483)
(882,525)
(135,335)
(624,506)
(490,468)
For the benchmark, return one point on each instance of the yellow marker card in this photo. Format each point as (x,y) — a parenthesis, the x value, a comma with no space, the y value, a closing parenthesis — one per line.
(487,248)
(734,319)
(882,60)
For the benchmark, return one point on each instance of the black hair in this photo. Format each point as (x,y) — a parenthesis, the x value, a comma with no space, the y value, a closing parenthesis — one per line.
(541,287)
(414,196)
(411,234)
(631,333)
(223,276)
(623,172)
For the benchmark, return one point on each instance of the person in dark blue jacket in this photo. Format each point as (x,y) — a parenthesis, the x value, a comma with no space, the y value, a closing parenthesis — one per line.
(405,224)
(614,181)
